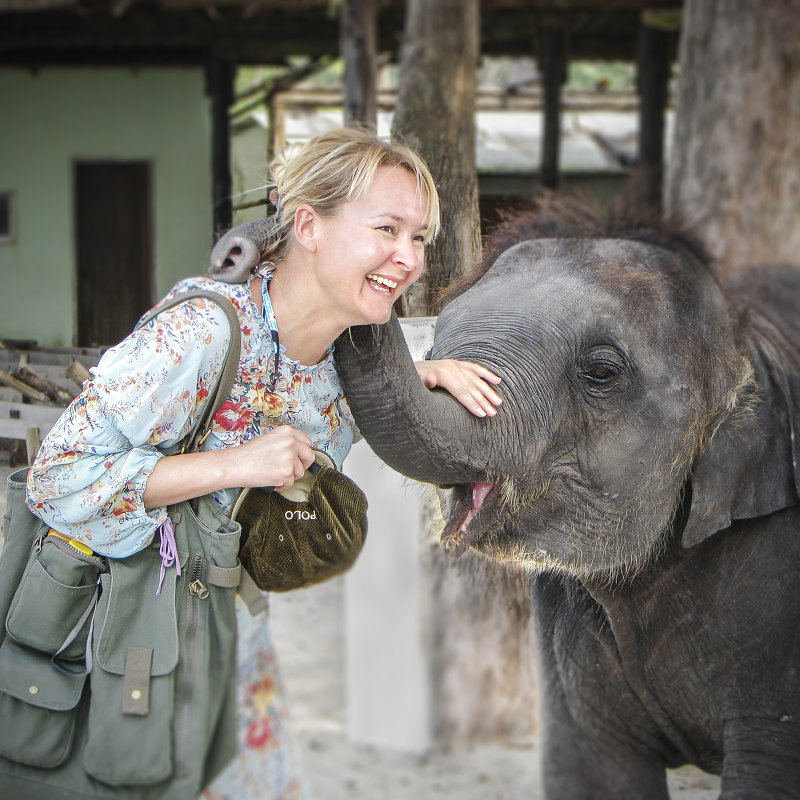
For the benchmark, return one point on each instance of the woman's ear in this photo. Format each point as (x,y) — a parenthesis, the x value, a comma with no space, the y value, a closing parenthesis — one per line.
(306,222)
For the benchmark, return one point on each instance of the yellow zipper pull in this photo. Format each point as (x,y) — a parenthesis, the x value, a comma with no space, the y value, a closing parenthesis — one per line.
(79,546)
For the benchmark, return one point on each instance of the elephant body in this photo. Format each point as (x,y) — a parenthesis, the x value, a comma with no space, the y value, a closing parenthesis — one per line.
(692,661)
(644,468)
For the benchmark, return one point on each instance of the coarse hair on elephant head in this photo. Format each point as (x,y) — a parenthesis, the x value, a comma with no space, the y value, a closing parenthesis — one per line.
(638,397)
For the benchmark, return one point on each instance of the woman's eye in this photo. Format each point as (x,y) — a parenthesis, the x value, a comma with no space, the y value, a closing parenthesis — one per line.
(419,239)
(387,228)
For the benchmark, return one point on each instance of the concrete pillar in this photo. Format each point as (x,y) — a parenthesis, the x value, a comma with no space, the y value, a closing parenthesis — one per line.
(388,680)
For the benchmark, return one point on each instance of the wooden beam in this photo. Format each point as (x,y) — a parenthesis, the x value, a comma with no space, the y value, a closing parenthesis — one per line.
(553,66)
(487,99)
(654,68)
(43,384)
(149,34)
(221,73)
(29,414)
(23,388)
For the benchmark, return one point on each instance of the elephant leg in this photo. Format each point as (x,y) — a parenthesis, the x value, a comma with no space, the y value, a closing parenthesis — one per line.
(597,743)
(581,766)
(762,759)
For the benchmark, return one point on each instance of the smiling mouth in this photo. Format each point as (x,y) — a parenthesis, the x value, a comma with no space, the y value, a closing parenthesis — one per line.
(381,284)
(458,534)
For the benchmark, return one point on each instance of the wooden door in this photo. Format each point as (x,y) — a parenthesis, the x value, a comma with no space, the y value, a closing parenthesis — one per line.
(114,240)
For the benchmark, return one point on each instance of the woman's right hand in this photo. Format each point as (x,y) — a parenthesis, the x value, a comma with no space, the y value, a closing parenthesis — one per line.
(276,458)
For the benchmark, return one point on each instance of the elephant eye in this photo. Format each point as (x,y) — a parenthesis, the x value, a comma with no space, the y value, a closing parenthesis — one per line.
(600,373)
(601,369)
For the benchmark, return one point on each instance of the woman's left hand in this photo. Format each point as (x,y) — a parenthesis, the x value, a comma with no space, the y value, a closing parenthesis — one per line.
(468,382)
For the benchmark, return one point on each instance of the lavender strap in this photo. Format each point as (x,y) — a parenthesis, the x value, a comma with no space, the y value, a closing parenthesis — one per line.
(168,550)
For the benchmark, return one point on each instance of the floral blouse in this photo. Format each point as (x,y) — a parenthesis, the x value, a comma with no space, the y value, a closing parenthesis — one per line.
(145,395)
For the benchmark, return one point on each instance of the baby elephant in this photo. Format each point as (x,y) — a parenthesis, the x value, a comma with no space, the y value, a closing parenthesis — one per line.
(644,467)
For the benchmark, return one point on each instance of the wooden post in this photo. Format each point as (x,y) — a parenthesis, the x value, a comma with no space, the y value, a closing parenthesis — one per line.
(221,74)
(654,64)
(553,67)
(733,170)
(358,35)
(277,125)
(33,441)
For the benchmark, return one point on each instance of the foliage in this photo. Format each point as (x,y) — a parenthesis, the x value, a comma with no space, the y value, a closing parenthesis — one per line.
(610,75)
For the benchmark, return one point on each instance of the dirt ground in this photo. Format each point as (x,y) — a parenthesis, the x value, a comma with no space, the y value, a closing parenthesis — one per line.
(307,628)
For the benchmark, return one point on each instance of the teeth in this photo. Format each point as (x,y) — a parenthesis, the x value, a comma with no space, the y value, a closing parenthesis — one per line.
(379,279)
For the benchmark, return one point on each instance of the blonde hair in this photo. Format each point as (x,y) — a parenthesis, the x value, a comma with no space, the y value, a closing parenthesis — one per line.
(335,167)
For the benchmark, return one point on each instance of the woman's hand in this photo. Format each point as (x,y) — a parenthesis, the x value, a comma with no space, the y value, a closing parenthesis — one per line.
(276,458)
(468,382)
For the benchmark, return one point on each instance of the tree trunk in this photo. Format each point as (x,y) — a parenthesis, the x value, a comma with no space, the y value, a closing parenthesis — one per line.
(480,638)
(735,166)
(358,36)
(436,117)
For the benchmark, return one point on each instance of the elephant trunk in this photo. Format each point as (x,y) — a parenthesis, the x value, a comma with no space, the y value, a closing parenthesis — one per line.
(425,435)
(240,250)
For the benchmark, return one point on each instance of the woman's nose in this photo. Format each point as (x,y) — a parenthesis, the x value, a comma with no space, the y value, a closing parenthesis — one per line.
(405,254)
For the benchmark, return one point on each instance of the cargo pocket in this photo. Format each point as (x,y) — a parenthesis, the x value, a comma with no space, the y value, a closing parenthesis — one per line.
(38,706)
(135,656)
(42,659)
(52,608)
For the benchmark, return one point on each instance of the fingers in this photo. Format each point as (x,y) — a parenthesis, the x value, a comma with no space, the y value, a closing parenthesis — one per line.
(480,399)
(482,372)
(299,452)
(471,384)
(276,458)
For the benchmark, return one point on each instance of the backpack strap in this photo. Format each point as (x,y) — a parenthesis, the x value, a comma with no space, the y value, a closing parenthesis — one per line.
(238,577)
(195,438)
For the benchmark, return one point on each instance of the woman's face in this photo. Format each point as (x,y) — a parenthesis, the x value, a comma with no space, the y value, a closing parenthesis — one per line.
(372,249)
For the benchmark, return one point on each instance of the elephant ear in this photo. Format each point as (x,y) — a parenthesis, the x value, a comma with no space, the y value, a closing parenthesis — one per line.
(750,466)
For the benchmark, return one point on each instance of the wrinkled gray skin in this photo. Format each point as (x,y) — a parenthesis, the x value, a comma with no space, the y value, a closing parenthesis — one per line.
(240,251)
(644,464)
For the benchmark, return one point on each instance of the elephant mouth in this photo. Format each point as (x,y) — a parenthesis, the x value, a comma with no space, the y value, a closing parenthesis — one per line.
(471,500)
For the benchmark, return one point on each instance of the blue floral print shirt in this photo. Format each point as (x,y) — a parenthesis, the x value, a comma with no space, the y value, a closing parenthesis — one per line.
(145,395)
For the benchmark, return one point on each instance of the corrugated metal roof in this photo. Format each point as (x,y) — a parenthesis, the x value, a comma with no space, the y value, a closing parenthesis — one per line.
(509,142)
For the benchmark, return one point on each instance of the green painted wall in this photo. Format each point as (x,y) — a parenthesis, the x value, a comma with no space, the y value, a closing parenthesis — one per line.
(56,116)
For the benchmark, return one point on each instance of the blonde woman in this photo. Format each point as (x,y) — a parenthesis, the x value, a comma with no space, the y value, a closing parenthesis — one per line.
(355,216)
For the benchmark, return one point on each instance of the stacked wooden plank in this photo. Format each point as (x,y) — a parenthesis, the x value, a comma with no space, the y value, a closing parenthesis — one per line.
(36,385)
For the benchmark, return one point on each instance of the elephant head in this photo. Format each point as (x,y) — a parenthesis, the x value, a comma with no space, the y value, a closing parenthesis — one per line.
(635,401)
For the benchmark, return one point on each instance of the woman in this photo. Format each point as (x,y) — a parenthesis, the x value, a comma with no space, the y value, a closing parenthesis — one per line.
(355,216)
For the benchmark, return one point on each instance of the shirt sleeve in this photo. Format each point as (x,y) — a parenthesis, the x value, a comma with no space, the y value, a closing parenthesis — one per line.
(90,473)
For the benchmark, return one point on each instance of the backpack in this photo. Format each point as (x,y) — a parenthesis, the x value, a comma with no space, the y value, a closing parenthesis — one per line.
(107,688)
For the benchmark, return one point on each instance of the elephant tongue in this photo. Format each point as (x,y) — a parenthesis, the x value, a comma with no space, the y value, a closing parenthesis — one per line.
(456,537)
